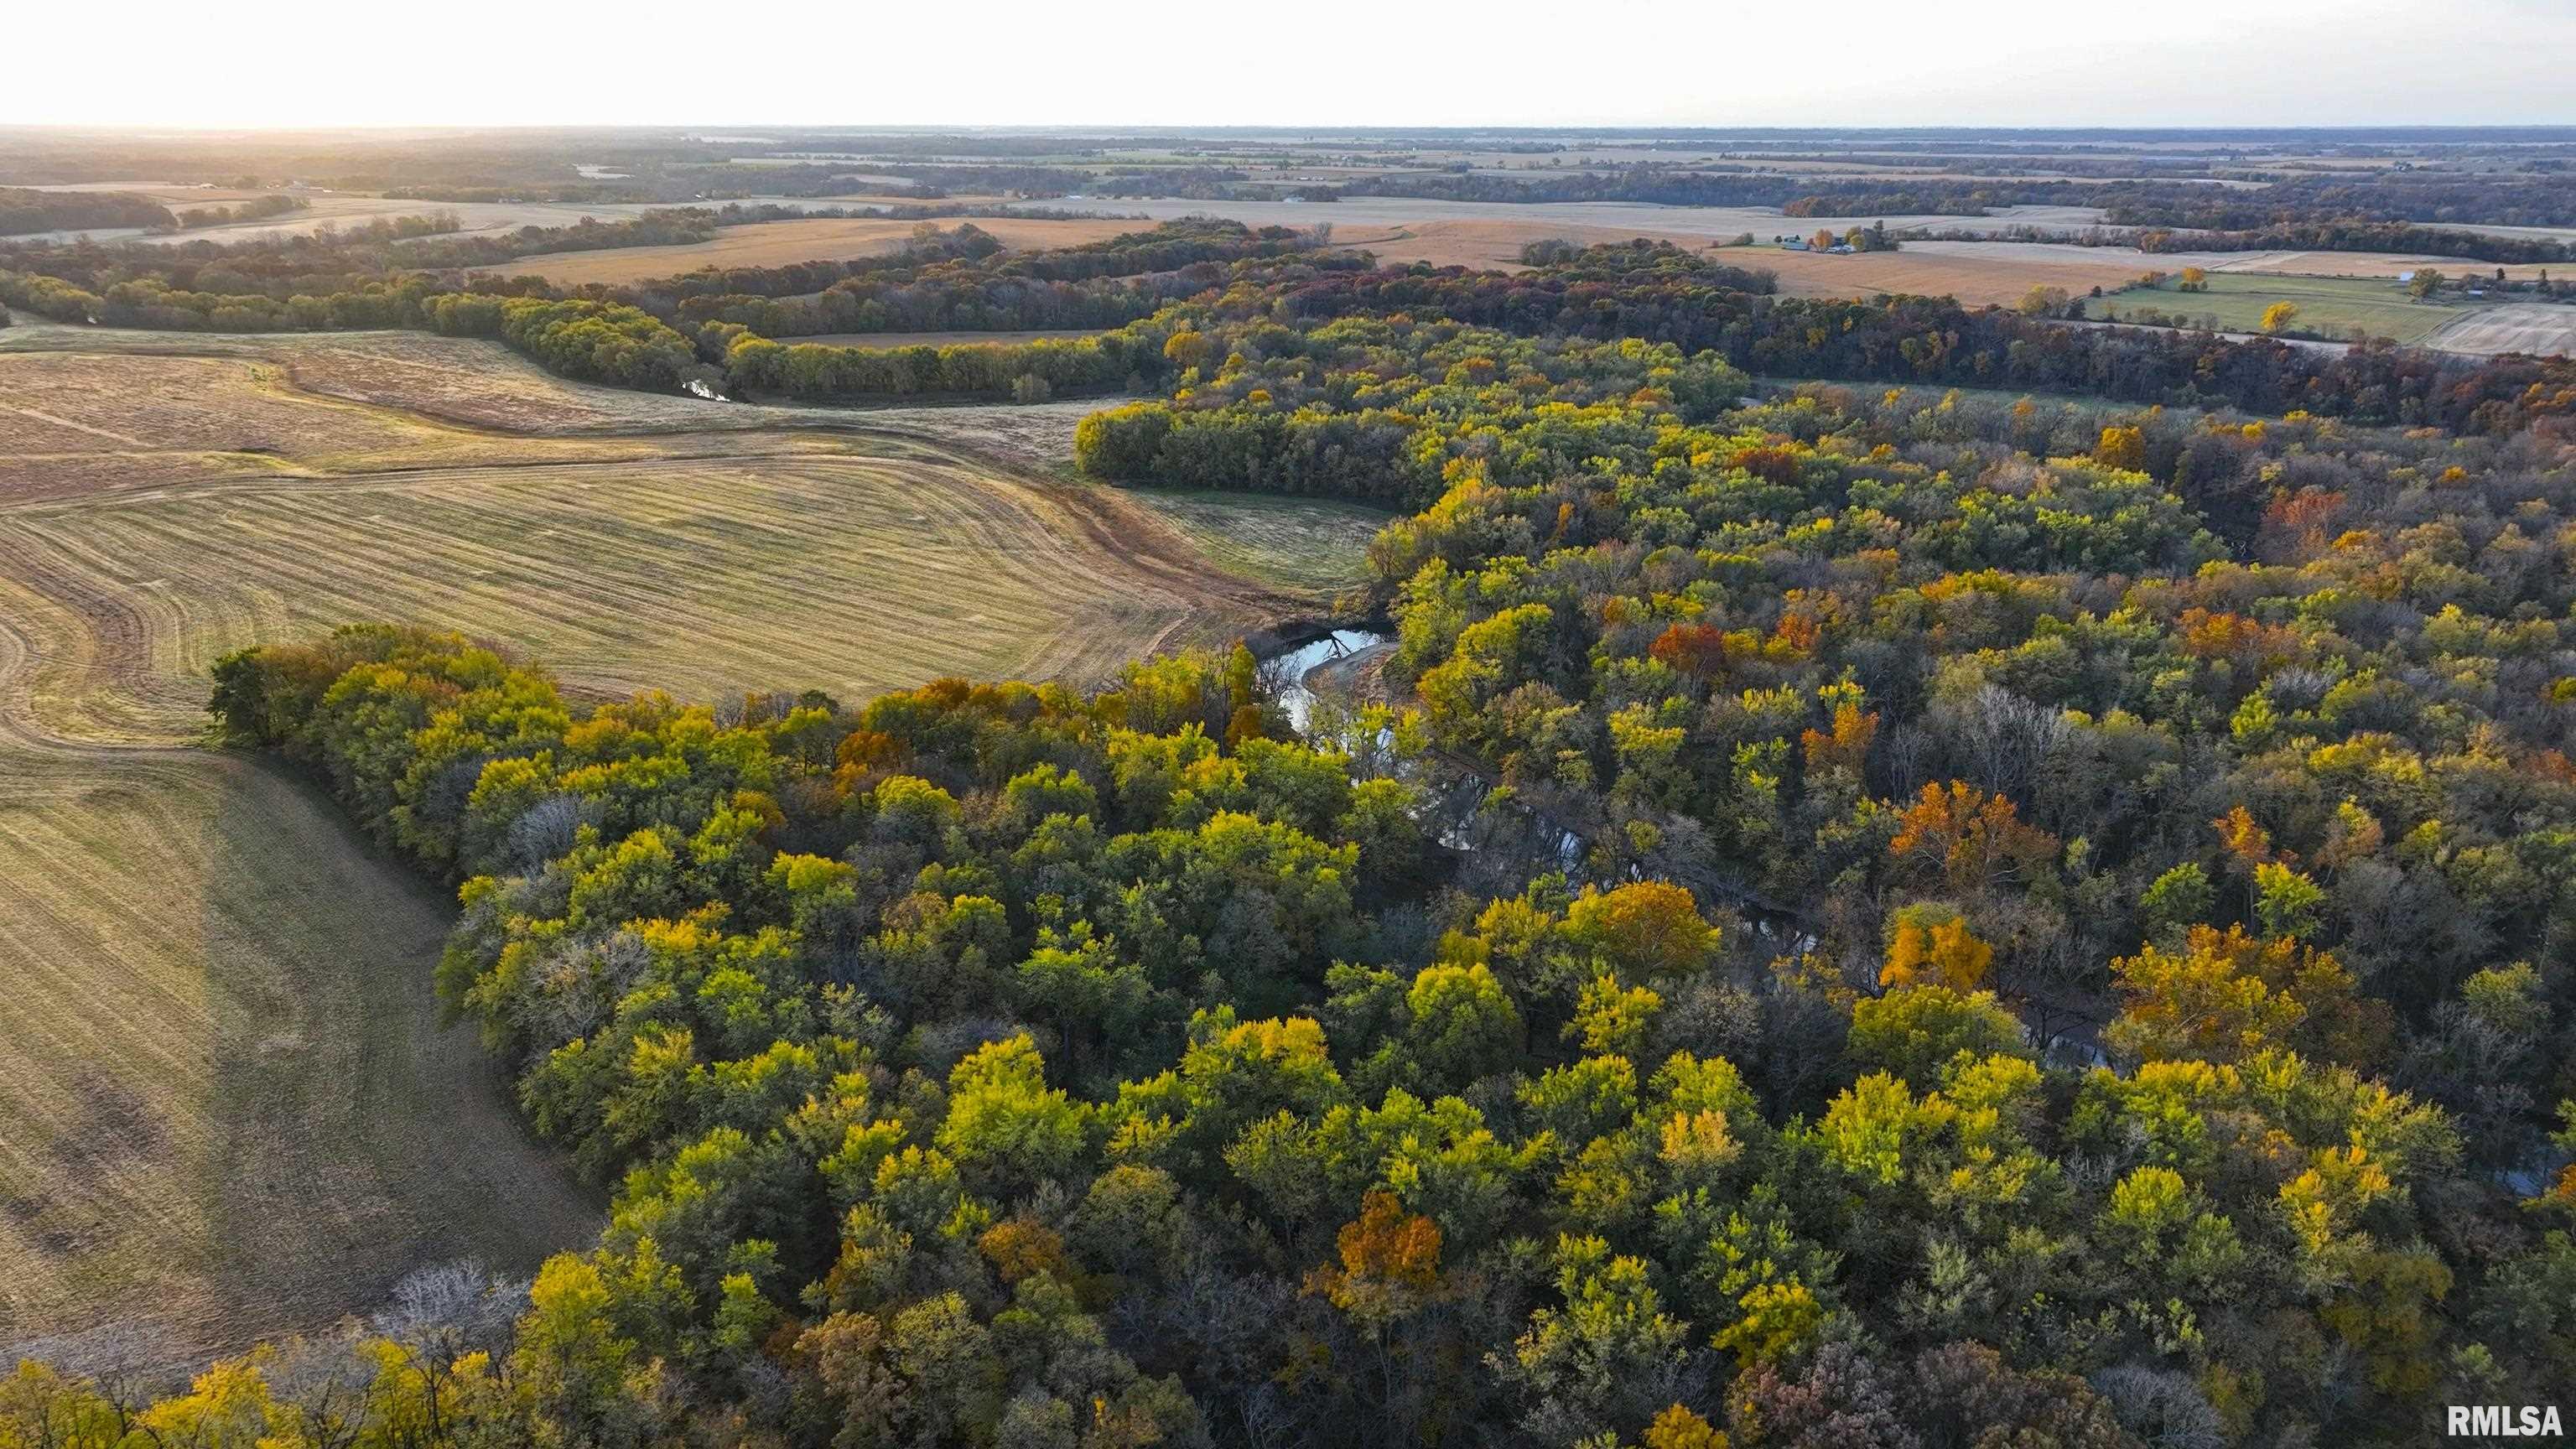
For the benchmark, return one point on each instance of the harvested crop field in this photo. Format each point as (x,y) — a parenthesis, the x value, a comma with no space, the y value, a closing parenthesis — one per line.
(775,243)
(1977,273)
(230,1110)
(70,420)
(2131,263)
(240,1116)
(75,424)
(482,385)
(2000,272)
(859,554)
(421,377)
(416,382)
(854,574)
(2534,327)
(2387,265)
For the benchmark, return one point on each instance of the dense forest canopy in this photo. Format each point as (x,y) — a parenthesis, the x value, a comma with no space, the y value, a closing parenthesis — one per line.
(1880,914)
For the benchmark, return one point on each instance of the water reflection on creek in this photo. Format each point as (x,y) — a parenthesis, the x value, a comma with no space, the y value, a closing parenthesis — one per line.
(1291,666)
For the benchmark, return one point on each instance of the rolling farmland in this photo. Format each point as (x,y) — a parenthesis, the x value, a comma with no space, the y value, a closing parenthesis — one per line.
(241,1118)
(706,576)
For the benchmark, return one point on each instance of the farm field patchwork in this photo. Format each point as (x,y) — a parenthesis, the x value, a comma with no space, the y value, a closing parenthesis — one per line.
(347,209)
(2131,263)
(1787,807)
(1356,216)
(1975,272)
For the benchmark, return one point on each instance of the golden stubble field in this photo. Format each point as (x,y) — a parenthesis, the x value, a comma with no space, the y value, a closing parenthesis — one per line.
(232,1112)
(2538,328)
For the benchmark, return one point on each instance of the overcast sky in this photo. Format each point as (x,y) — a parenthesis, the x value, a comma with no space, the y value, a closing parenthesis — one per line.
(1208,62)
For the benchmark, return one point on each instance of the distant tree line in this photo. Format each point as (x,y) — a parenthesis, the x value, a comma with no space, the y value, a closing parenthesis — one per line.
(1645,292)
(979,288)
(1026,371)
(2324,236)
(594,341)
(1169,246)
(2404,197)
(255,209)
(2365,236)
(24,210)
(1660,293)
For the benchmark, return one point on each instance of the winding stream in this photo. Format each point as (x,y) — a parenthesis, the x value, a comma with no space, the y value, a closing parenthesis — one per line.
(1290,667)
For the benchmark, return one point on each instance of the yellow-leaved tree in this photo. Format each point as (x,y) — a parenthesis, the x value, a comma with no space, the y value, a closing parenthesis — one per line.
(1930,945)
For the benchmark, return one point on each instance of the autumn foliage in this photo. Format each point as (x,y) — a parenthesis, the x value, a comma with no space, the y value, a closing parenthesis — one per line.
(1390,1261)
(1969,838)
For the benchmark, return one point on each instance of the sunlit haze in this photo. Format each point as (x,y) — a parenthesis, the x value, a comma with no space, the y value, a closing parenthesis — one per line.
(1860,62)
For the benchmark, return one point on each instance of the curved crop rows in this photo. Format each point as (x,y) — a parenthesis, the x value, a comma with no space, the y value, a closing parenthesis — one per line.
(232,1111)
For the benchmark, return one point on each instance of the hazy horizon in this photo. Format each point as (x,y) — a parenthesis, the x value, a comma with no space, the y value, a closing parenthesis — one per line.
(1867,64)
(722,128)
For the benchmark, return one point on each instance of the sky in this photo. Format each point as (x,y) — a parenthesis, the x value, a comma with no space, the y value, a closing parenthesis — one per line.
(1223,62)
